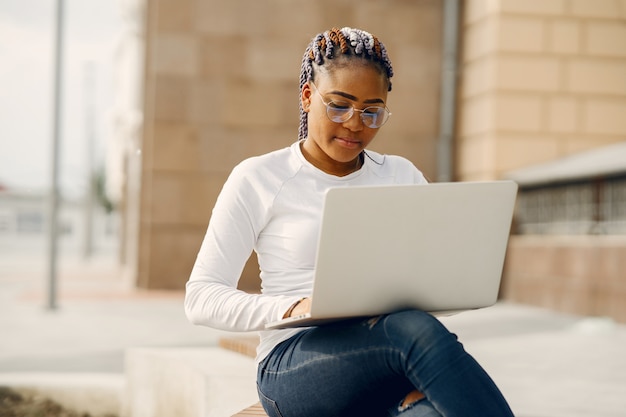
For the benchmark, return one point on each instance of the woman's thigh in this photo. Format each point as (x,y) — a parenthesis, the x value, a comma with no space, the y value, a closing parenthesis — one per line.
(336,370)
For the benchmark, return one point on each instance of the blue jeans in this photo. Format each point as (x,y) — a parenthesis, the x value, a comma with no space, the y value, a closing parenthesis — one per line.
(366,367)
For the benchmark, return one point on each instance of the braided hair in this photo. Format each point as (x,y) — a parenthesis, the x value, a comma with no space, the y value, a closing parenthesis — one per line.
(334,43)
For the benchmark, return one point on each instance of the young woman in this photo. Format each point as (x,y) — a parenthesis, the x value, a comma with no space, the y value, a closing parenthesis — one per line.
(404,363)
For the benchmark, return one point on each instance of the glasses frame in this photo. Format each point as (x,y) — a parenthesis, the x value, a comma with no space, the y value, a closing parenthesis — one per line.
(350,112)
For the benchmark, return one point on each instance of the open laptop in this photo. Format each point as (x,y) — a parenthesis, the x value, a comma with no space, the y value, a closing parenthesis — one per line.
(438,247)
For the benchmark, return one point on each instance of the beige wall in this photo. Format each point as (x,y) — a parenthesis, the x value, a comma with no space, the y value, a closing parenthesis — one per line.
(573,274)
(222,85)
(541,79)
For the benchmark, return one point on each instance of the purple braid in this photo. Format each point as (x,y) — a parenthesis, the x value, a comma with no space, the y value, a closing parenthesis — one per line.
(340,42)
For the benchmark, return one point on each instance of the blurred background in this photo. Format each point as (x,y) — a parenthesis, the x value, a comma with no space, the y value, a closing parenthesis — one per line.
(92,37)
(161,98)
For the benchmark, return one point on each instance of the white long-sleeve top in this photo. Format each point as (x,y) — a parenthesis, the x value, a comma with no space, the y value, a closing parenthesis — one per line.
(271,204)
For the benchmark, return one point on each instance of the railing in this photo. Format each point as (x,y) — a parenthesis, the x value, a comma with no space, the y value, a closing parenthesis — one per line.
(595,206)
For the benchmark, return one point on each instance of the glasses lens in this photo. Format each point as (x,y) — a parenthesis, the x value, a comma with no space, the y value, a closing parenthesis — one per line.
(374,117)
(339,111)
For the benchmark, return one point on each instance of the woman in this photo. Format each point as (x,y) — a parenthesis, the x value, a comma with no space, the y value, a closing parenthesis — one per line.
(404,363)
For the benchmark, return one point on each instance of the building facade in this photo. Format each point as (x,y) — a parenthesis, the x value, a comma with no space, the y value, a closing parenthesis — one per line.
(537,81)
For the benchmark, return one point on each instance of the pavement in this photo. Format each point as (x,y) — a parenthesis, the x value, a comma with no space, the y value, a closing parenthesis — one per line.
(547,364)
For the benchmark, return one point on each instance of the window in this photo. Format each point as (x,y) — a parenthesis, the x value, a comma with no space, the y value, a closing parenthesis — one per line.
(583,207)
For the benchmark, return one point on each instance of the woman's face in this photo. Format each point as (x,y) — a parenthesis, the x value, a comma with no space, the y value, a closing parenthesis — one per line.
(334,147)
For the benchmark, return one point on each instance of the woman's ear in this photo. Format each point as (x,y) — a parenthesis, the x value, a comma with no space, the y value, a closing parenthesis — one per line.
(305,96)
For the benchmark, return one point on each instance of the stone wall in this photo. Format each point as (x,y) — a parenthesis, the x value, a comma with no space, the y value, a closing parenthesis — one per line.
(574,274)
(540,80)
(221,84)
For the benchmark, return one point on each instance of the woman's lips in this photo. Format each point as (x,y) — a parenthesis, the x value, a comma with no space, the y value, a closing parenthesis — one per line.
(348,143)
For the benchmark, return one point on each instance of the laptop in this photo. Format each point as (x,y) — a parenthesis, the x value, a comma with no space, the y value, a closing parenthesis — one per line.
(436,247)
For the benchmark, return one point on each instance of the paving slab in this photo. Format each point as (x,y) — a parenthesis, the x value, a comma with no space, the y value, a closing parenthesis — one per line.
(547,364)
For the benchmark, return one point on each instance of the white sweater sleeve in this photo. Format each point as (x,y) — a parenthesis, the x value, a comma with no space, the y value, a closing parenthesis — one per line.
(212,298)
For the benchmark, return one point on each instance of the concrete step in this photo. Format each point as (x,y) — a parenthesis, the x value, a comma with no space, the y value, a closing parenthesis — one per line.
(246,345)
(188,382)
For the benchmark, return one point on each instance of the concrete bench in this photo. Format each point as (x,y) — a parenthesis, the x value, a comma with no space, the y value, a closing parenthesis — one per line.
(246,346)
(187,382)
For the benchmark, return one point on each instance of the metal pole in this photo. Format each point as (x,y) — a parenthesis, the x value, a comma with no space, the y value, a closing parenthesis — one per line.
(88,205)
(445,160)
(53,229)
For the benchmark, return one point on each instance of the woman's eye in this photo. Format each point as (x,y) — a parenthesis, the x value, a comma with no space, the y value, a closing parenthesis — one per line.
(372,110)
(339,105)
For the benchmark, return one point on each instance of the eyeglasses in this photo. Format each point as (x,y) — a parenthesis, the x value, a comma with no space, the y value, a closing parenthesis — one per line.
(341,111)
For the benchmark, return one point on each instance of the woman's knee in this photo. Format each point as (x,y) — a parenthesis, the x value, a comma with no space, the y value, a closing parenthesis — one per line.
(415,322)
(418,327)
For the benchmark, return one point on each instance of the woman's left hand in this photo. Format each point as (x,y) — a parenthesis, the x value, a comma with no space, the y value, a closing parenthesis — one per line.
(301,306)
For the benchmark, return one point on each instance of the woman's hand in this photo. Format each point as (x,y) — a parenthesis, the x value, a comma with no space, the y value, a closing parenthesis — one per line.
(302,306)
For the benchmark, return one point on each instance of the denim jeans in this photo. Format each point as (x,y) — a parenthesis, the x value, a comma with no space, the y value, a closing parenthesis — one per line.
(366,367)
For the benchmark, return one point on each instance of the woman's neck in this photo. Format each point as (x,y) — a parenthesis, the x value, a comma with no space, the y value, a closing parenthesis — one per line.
(330,166)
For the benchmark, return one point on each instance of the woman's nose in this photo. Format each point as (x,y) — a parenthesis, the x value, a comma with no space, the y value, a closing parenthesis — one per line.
(354,123)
